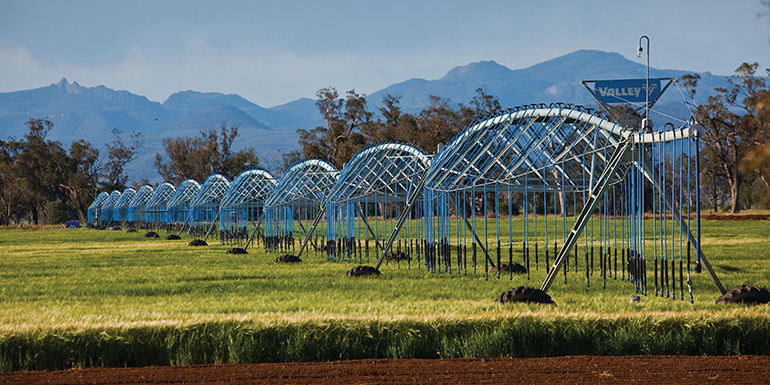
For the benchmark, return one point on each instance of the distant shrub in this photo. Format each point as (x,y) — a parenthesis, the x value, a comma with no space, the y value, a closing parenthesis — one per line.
(57,212)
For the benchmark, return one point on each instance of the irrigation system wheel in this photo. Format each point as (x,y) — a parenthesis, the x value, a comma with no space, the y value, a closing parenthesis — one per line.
(745,294)
(361,271)
(525,294)
(287,258)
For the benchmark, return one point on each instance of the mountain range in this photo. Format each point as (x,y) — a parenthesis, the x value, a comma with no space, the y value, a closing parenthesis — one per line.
(91,113)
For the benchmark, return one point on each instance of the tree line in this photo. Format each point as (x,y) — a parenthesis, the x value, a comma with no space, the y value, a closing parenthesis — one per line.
(40,179)
(350,126)
(735,121)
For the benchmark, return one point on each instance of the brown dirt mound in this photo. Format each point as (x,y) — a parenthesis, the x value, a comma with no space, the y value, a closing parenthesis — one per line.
(131,230)
(197,242)
(515,268)
(525,294)
(287,258)
(172,237)
(237,250)
(360,271)
(151,234)
(745,294)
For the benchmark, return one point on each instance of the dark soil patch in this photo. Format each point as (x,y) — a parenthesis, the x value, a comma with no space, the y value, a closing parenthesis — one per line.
(197,242)
(745,294)
(131,230)
(505,267)
(237,250)
(172,237)
(735,217)
(287,258)
(526,294)
(151,234)
(569,370)
(361,271)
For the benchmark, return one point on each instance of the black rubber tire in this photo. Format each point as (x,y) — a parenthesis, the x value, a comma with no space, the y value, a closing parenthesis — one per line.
(237,250)
(525,294)
(287,258)
(151,234)
(745,294)
(197,242)
(395,256)
(361,271)
(516,268)
(172,237)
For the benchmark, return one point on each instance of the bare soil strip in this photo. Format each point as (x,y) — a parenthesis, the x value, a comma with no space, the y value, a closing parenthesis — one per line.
(552,370)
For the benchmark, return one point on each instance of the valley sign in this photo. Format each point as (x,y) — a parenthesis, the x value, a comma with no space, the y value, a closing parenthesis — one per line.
(626,91)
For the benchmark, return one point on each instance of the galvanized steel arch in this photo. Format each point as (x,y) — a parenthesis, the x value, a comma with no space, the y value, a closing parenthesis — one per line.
(136,209)
(307,180)
(109,206)
(380,178)
(157,206)
(120,211)
(213,188)
(204,206)
(389,169)
(298,197)
(95,209)
(528,148)
(253,185)
(243,203)
(179,205)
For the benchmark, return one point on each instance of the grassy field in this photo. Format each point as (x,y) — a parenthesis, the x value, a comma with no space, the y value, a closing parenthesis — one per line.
(88,298)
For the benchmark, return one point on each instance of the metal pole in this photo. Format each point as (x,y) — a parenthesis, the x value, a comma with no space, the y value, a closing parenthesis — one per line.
(256,228)
(647,88)
(601,184)
(312,229)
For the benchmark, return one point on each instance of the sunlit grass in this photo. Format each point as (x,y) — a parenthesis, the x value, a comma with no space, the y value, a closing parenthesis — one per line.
(83,276)
(70,285)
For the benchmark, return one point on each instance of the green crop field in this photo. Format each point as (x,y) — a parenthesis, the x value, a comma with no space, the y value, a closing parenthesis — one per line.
(79,298)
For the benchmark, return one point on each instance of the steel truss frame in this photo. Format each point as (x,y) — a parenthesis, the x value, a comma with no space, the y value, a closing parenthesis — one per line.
(178,206)
(205,205)
(95,209)
(108,208)
(137,208)
(299,195)
(157,206)
(385,174)
(550,149)
(242,205)
(120,211)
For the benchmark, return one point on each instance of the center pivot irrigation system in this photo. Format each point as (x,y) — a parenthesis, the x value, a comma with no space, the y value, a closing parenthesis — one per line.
(597,199)
(557,187)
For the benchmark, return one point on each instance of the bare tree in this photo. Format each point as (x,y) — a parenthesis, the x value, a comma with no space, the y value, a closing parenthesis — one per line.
(120,153)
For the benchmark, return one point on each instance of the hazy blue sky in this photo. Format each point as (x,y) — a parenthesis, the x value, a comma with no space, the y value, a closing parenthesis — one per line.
(273,52)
